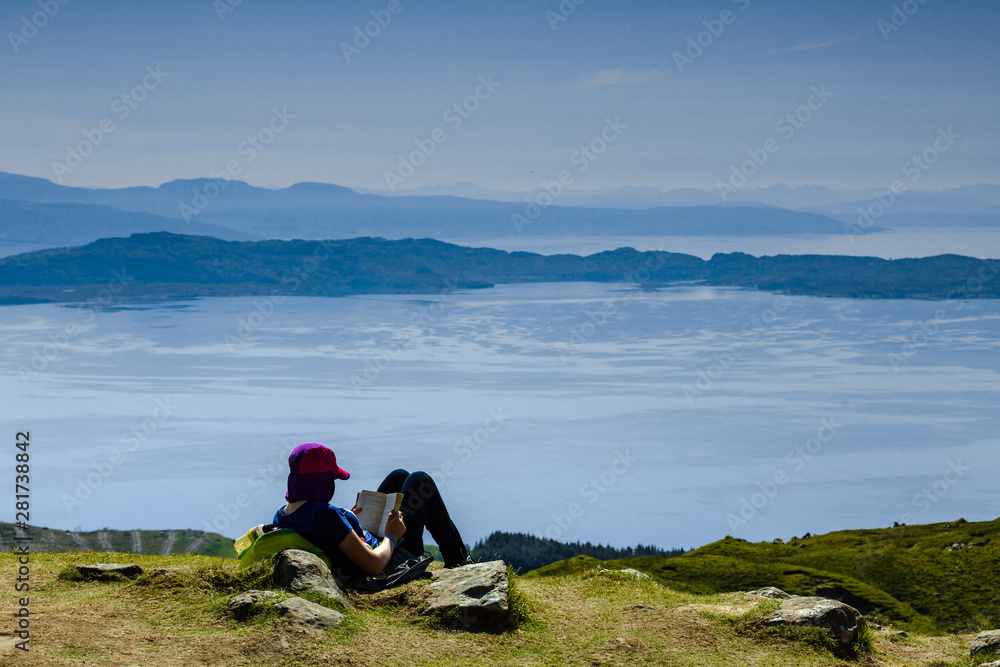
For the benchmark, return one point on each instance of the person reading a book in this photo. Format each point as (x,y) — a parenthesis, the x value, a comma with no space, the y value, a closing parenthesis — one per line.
(352,548)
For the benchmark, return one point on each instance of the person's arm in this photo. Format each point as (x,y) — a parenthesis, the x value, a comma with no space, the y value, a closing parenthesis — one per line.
(373,561)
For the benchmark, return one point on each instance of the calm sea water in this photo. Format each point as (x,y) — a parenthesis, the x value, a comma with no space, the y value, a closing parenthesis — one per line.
(579,411)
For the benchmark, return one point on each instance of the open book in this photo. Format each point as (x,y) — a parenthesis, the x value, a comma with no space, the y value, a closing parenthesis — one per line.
(375,508)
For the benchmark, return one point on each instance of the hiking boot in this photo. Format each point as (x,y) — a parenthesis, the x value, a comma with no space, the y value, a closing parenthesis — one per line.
(463,559)
(468,561)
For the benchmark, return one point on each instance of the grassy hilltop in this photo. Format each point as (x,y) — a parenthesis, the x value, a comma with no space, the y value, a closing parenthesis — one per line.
(582,618)
(932,578)
(938,582)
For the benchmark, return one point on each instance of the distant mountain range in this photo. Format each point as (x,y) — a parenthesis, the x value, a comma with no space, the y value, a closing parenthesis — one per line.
(76,224)
(235,210)
(169,266)
(982,199)
(973,206)
(39,212)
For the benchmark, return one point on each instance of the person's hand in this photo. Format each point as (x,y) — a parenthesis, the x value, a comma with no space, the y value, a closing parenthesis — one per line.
(395,526)
(356,510)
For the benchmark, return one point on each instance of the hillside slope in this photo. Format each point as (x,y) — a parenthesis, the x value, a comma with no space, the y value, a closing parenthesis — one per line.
(147,542)
(933,578)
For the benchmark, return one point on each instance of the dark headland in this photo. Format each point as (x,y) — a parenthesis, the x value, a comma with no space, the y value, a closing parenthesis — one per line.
(162,265)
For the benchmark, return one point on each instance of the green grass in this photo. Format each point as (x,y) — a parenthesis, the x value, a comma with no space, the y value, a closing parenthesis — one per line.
(580,617)
(522,610)
(985,657)
(905,576)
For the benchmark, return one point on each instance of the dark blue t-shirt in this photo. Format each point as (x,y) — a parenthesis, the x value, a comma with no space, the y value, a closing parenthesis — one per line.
(326,526)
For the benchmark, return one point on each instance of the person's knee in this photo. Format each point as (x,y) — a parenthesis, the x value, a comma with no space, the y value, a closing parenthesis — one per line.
(418,488)
(396,478)
(423,482)
(420,477)
(393,482)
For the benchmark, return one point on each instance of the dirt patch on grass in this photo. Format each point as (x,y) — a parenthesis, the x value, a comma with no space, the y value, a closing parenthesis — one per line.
(127,623)
(627,649)
(929,651)
(406,599)
(98,634)
(687,627)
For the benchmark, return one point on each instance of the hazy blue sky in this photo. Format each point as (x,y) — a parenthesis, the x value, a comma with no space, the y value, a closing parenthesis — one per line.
(892,90)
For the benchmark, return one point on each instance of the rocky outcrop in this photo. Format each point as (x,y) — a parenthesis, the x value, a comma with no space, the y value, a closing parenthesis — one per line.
(308,616)
(955,546)
(985,643)
(301,571)
(841,621)
(300,614)
(108,571)
(892,635)
(245,604)
(472,597)
(630,571)
(770,592)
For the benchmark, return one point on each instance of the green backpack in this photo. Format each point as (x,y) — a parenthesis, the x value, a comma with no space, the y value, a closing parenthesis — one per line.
(269,544)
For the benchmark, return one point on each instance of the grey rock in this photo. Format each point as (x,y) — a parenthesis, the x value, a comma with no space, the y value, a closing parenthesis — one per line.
(244,604)
(308,616)
(108,571)
(985,642)
(166,574)
(301,571)
(770,592)
(635,573)
(841,621)
(475,595)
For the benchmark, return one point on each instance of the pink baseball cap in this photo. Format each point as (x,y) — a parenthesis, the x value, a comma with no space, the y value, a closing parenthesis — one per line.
(313,457)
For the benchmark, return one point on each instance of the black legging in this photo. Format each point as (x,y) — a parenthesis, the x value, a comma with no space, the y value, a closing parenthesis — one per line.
(422,507)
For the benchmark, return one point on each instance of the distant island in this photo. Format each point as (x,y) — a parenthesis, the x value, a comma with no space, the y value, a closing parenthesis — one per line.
(163,266)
